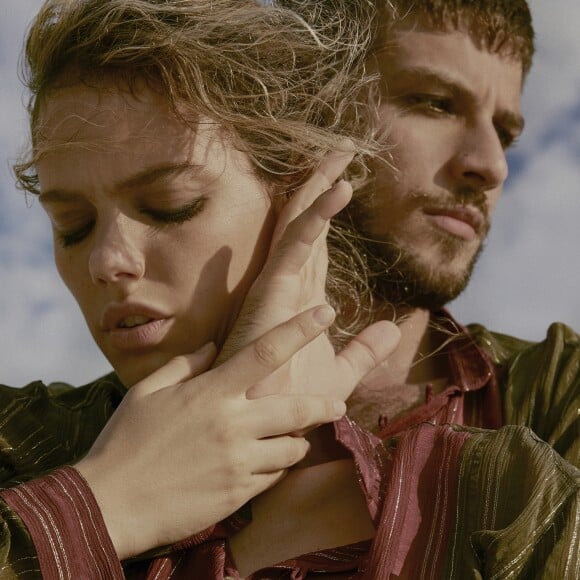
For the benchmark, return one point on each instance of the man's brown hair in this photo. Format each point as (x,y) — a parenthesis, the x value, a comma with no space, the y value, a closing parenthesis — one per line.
(502,26)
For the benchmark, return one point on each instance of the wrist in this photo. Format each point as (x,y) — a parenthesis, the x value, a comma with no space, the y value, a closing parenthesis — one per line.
(112,507)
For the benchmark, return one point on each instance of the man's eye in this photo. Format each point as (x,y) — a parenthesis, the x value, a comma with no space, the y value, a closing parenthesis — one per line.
(428,103)
(506,138)
(176,216)
(68,239)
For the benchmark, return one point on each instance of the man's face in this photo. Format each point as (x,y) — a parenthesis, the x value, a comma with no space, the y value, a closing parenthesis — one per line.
(159,229)
(450,110)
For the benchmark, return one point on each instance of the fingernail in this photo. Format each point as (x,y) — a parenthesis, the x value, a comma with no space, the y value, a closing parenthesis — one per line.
(324,315)
(333,187)
(339,408)
(207,348)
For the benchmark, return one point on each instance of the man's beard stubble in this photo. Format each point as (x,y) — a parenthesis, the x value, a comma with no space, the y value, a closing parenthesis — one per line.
(398,276)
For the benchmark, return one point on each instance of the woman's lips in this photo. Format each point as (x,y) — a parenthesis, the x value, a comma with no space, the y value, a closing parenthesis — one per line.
(139,337)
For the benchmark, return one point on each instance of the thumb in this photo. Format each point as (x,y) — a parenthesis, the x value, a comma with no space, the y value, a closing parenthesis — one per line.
(365,352)
(178,370)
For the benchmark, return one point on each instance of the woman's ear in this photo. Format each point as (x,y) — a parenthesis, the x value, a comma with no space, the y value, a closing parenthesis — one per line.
(279,200)
(283,191)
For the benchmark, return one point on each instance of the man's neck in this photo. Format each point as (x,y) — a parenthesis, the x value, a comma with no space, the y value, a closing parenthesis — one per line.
(399,384)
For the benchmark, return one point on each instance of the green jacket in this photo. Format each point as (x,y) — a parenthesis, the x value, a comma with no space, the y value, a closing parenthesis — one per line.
(539,384)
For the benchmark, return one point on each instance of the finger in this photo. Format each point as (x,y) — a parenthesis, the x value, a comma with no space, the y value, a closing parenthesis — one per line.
(277,415)
(270,351)
(279,453)
(365,352)
(263,481)
(179,369)
(296,245)
(330,169)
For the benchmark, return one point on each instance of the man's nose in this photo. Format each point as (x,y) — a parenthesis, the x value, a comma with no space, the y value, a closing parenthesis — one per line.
(115,255)
(480,159)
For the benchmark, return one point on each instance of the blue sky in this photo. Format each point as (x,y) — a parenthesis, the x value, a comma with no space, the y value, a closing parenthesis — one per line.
(528,276)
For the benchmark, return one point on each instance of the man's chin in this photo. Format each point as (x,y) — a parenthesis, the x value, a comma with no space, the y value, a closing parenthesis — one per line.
(420,293)
(405,280)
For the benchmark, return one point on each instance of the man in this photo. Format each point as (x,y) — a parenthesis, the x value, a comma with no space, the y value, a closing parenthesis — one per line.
(452,75)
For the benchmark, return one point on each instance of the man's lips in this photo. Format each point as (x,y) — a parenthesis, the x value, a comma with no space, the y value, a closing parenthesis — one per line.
(463,221)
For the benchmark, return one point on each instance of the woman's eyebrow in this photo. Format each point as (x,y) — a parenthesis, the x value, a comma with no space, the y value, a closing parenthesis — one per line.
(147,176)
(150,175)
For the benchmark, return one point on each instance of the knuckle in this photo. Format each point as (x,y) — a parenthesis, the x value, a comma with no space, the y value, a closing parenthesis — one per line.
(266,354)
(226,435)
(369,353)
(303,327)
(295,451)
(364,357)
(234,496)
(233,468)
(300,414)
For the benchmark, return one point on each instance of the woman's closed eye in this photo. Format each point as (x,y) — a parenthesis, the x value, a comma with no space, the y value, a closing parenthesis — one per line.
(178,215)
(70,236)
(74,236)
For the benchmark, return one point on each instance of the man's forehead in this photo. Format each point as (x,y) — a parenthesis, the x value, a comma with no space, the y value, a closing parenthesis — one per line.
(451,54)
(421,59)
(501,45)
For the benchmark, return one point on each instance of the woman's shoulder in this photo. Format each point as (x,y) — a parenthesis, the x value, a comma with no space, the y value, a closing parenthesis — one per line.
(46,426)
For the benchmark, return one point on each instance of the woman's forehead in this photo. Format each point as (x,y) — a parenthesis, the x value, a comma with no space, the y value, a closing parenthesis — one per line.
(107,115)
(139,126)
(82,130)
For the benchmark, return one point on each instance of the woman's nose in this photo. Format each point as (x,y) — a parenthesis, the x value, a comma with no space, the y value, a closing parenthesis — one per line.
(115,255)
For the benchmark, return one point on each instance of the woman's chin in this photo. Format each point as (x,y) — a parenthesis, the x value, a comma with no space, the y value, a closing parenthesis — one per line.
(131,372)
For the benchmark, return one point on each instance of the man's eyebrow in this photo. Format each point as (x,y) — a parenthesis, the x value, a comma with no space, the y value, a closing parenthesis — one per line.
(512,122)
(147,176)
(509,119)
(426,75)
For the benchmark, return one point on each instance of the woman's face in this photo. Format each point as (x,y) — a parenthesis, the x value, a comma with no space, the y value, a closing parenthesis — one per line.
(159,230)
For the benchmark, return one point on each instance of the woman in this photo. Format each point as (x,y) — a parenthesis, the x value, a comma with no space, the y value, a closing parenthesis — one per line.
(167,139)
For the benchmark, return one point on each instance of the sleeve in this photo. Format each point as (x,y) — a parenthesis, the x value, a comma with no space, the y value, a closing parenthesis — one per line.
(52,527)
(518,510)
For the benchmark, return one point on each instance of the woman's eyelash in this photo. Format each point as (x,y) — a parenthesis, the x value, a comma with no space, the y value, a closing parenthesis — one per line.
(164,217)
(69,239)
(177,216)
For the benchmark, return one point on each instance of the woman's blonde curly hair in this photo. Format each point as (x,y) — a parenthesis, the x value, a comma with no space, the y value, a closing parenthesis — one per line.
(289,87)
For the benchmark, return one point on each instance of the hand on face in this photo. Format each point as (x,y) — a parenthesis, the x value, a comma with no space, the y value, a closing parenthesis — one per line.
(184,451)
(293,279)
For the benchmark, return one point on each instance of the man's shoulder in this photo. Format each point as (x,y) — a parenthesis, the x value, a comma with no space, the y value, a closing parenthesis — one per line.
(504,348)
(539,383)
